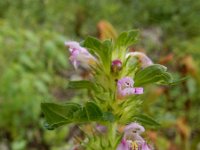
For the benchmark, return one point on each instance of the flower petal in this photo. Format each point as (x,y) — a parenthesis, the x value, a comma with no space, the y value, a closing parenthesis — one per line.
(138,90)
(79,55)
(124,145)
(125,87)
(145,61)
(135,127)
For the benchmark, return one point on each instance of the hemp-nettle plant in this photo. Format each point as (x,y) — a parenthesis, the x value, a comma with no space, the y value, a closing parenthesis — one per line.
(111,117)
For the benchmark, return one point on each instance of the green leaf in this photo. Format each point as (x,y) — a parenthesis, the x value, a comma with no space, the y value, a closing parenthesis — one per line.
(102,50)
(126,39)
(95,47)
(57,115)
(145,120)
(153,74)
(108,116)
(82,84)
(178,81)
(94,113)
(94,44)
(80,116)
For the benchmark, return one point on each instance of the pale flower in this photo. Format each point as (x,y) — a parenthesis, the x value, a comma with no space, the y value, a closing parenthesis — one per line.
(125,87)
(132,139)
(79,56)
(143,59)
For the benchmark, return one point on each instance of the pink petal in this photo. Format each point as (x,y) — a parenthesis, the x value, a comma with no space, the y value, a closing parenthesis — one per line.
(125,87)
(127,92)
(143,58)
(135,127)
(123,145)
(138,90)
(145,146)
(79,55)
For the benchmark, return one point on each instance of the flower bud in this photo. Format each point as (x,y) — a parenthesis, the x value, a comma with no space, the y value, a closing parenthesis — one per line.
(116,65)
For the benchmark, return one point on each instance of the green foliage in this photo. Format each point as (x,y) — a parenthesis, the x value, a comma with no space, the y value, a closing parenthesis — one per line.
(82,84)
(110,112)
(144,119)
(101,49)
(123,42)
(126,39)
(32,58)
(153,74)
(124,112)
(57,115)
(30,63)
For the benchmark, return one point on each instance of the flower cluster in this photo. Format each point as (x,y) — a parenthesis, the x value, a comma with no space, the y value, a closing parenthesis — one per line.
(79,56)
(114,79)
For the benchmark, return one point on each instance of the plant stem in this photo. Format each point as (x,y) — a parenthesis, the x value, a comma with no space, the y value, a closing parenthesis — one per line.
(112,134)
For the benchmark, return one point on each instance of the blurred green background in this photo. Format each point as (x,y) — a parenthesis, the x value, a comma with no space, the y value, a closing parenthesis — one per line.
(34,65)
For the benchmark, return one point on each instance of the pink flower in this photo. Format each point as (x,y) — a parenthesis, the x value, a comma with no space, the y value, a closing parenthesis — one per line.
(134,127)
(143,59)
(132,139)
(125,87)
(79,56)
(132,132)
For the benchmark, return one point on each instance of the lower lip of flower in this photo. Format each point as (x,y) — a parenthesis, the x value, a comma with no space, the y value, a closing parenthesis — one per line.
(139,90)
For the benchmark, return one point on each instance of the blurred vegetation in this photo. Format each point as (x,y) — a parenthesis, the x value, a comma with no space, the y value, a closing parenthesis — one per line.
(34,65)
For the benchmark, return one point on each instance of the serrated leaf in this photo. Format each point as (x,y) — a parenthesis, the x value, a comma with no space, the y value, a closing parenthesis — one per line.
(145,120)
(127,39)
(101,49)
(153,74)
(93,44)
(57,114)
